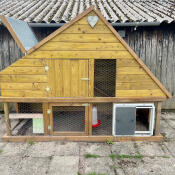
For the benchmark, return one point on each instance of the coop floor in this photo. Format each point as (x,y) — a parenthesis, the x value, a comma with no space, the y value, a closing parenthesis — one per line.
(140,126)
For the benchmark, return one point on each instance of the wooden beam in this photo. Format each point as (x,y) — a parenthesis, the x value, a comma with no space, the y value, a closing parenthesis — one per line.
(81,100)
(46,118)
(90,119)
(7,120)
(157,118)
(158,138)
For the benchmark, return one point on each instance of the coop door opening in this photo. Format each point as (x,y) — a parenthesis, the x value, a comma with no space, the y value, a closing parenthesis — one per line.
(104,77)
(69,120)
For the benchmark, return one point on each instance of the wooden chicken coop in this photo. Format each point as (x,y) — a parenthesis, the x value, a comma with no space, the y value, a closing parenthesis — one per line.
(81,83)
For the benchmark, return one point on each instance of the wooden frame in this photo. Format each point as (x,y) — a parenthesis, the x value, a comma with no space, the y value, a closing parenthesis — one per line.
(157,118)
(52,132)
(157,138)
(80,100)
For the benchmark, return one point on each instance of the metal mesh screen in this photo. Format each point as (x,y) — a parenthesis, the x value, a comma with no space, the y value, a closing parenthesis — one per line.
(27,119)
(104,114)
(104,77)
(68,119)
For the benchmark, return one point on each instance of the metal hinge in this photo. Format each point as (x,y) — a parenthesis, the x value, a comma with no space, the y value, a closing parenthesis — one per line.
(49,127)
(47,89)
(87,79)
(85,104)
(48,111)
(46,68)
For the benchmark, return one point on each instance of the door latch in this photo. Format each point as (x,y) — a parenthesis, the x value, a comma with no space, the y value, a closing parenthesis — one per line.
(86,79)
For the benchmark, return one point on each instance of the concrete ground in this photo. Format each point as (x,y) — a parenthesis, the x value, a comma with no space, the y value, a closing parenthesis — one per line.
(80,158)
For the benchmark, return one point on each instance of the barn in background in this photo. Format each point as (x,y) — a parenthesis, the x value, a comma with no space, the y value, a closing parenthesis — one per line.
(147,26)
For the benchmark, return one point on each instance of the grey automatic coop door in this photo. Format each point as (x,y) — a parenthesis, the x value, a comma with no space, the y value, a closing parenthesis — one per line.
(125,121)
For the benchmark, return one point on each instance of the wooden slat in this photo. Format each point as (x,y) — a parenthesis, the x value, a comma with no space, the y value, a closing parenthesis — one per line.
(81,54)
(86,38)
(126,62)
(134,78)
(25,115)
(158,138)
(157,118)
(7,120)
(30,62)
(53,85)
(131,70)
(69,133)
(78,28)
(23,93)
(23,86)
(23,78)
(139,93)
(90,119)
(54,46)
(24,71)
(86,120)
(91,76)
(135,86)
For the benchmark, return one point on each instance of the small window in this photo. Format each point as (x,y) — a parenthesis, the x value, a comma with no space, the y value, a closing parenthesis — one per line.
(133,119)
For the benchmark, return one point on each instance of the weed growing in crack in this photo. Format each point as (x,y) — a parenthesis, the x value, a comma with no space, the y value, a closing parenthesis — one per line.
(92,156)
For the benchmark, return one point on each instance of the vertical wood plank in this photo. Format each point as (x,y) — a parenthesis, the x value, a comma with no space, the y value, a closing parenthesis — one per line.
(91,76)
(46,118)
(86,120)
(75,79)
(157,119)
(90,119)
(7,120)
(58,78)
(66,73)
(51,119)
(51,77)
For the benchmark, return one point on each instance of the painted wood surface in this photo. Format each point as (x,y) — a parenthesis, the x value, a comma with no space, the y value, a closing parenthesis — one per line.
(134,40)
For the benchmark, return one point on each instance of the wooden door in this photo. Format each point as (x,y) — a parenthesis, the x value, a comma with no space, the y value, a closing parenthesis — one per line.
(68,78)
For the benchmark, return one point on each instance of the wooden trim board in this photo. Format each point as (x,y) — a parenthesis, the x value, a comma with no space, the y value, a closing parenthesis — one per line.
(158,138)
(80,100)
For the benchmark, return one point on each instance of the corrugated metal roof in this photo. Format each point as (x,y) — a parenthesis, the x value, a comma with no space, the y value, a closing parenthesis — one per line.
(56,11)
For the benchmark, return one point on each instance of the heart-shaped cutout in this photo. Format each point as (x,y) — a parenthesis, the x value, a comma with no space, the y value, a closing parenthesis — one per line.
(92,20)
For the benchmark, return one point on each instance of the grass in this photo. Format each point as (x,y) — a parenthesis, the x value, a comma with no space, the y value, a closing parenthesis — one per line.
(92,156)
(93,173)
(125,156)
(0,150)
(109,142)
(79,173)
(31,143)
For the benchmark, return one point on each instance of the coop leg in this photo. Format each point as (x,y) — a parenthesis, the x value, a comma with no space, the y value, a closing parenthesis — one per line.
(90,119)
(7,120)
(157,119)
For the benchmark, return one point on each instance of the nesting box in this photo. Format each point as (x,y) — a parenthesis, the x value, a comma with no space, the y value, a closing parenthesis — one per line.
(83,64)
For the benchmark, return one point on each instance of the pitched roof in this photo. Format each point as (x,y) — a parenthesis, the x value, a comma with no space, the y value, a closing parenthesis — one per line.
(57,11)
(114,32)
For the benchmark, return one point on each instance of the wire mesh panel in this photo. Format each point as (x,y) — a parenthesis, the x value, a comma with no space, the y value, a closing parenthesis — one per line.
(68,118)
(104,77)
(104,116)
(26,120)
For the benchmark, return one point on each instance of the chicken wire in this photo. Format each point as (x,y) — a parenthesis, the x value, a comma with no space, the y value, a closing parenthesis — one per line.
(29,122)
(104,114)
(104,77)
(68,118)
